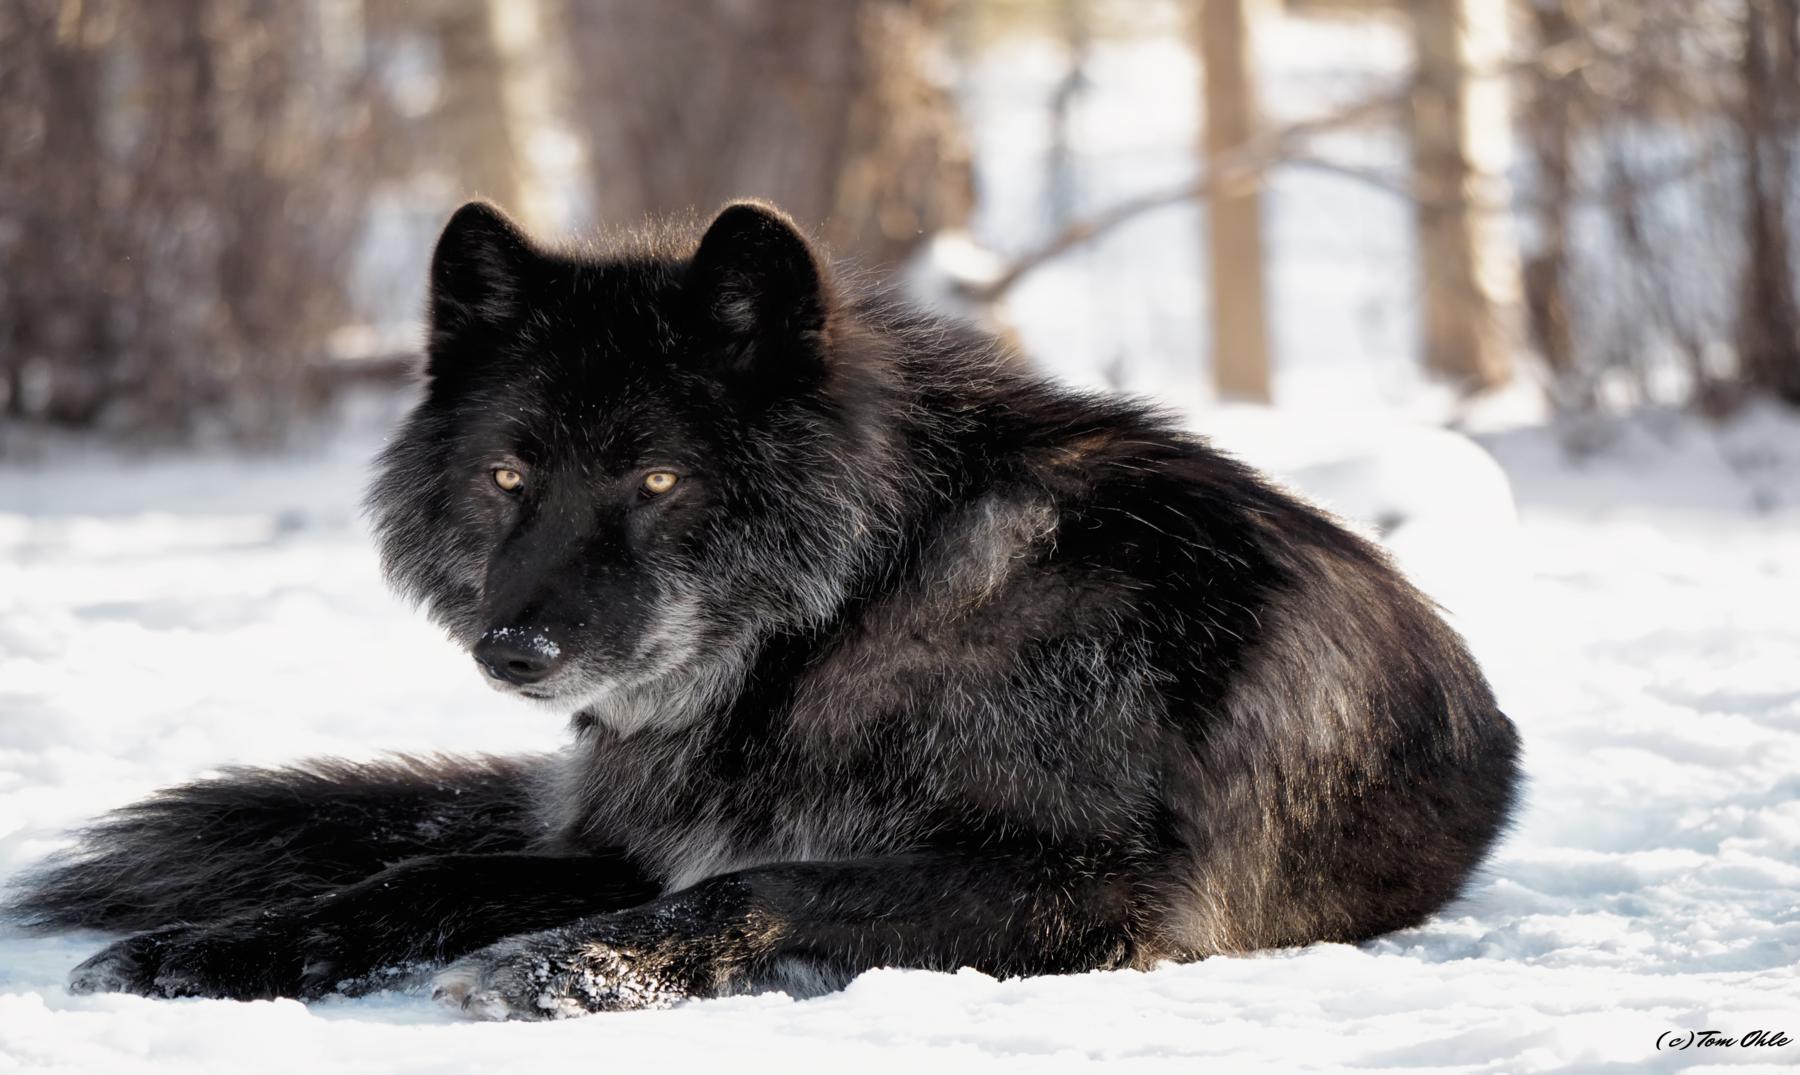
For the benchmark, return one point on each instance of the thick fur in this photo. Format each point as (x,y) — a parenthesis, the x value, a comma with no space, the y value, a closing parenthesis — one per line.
(222,847)
(923,661)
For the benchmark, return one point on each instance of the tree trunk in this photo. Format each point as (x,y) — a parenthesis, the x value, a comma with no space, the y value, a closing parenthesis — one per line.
(1468,259)
(474,115)
(56,254)
(827,110)
(1550,136)
(1240,336)
(1769,318)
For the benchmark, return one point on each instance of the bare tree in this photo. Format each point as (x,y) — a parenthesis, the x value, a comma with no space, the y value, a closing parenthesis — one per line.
(1240,335)
(179,194)
(1469,265)
(51,166)
(1769,124)
(1549,128)
(1075,28)
(829,110)
(472,114)
(1663,195)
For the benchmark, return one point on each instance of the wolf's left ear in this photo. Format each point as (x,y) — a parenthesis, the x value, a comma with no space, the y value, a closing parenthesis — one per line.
(756,284)
(478,272)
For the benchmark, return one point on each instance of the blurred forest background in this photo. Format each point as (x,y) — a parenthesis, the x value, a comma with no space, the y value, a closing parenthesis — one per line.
(215,214)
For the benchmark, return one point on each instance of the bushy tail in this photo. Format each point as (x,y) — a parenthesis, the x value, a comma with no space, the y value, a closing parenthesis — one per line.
(217,847)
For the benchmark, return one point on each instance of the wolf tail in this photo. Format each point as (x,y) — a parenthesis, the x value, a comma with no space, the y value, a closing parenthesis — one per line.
(217,847)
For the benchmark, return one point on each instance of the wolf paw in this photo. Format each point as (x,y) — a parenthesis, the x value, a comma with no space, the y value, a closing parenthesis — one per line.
(128,966)
(161,963)
(539,978)
(240,960)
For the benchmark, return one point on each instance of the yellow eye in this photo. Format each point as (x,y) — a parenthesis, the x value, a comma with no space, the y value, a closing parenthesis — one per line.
(508,479)
(658,482)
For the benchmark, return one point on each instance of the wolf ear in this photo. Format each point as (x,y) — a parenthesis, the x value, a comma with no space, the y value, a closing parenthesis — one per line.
(756,285)
(478,271)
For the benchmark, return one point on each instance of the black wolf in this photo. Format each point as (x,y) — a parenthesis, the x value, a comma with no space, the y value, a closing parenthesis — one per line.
(880,650)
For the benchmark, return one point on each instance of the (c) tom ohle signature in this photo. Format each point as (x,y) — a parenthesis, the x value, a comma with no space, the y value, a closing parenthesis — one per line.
(1688,1039)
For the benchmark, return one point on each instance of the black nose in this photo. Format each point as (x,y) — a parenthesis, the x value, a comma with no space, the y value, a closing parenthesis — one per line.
(518,655)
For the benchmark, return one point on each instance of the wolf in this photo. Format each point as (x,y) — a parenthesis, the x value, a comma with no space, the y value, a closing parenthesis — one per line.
(880,650)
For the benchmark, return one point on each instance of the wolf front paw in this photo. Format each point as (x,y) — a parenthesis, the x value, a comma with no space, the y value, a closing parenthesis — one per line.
(254,960)
(173,962)
(551,976)
(127,966)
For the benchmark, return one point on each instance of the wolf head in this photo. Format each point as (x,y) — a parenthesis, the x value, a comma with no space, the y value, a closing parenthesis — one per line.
(625,466)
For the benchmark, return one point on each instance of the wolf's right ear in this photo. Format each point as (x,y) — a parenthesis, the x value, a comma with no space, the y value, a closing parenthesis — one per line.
(478,272)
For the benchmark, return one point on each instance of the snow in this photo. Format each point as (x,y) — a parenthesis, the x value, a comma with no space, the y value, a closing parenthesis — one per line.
(1630,585)
(1633,603)
(535,641)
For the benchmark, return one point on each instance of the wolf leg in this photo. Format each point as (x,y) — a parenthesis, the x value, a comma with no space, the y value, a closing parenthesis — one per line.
(221,847)
(809,927)
(370,934)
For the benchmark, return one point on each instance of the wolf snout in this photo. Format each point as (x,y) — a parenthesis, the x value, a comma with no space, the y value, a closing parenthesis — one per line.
(520,656)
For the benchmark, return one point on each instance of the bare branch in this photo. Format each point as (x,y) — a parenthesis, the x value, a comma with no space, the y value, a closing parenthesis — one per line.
(1245,164)
(1256,157)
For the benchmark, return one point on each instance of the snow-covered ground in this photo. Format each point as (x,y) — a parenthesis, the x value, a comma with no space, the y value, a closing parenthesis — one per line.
(161,617)
(1637,603)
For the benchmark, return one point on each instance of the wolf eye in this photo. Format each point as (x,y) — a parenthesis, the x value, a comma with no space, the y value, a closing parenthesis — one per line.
(658,482)
(509,479)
